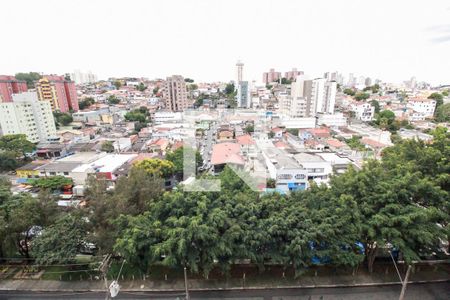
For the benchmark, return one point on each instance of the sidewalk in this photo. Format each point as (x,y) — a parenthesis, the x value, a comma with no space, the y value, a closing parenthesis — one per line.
(324,281)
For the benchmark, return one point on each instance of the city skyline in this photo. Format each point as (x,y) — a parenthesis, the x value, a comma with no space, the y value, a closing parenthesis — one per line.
(203,40)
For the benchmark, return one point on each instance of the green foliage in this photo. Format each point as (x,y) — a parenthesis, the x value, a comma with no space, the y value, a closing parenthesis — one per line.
(141,87)
(385,120)
(193,87)
(176,158)
(62,118)
(156,167)
(61,241)
(188,80)
(112,100)
(8,161)
(284,80)
(51,183)
(445,92)
(250,128)
(361,96)
(443,113)
(107,146)
(155,90)
(16,143)
(269,86)
(376,105)
(350,92)
(293,131)
(229,89)
(117,84)
(86,102)
(355,143)
(139,116)
(29,77)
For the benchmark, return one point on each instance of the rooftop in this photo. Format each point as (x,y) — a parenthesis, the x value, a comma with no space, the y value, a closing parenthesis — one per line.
(224,153)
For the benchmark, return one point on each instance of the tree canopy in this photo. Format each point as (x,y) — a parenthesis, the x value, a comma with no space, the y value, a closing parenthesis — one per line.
(113,100)
(17,144)
(29,77)
(52,182)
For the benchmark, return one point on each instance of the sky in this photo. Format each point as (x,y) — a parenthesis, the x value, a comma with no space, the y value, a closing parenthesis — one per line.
(203,39)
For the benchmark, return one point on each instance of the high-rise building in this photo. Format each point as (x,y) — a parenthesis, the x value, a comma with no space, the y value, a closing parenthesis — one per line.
(240,70)
(81,78)
(293,74)
(331,76)
(9,85)
(60,92)
(309,97)
(175,93)
(271,76)
(27,115)
(368,81)
(243,94)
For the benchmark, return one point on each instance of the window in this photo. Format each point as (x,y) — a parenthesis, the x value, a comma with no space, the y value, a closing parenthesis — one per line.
(66,173)
(53,173)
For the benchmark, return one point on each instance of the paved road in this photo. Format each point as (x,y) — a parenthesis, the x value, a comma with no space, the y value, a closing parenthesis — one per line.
(435,291)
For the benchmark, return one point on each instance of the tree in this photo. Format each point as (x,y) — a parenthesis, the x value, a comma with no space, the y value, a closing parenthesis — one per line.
(361,96)
(193,87)
(387,201)
(107,146)
(112,100)
(349,92)
(439,98)
(229,89)
(156,167)
(8,161)
(355,143)
(141,87)
(117,84)
(385,119)
(269,86)
(136,116)
(86,102)
(445,92)
(63,118)
(293,131)
(60,242)
(188,80)
(443,113)
(155,90)
(51,183)
(29,77)
(376,105)
(16,143)
(250,128)
(177,158)
(284,80)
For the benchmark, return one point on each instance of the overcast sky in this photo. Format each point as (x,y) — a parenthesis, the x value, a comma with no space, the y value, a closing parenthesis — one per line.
(203,39)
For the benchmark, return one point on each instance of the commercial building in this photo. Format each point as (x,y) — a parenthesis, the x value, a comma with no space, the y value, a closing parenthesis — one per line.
(175,93)
(27,115)
(9,85)
(59,92)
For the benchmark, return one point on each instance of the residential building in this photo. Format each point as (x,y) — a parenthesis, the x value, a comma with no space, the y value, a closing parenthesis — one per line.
(293,74)
(175,93)
(332,120)
(9,85)
(271,76)
(82,78)
(240,71)
(226,153)
(363,111)
(161,117)
(243,95)
(59,92)
(422,106)
(27,115)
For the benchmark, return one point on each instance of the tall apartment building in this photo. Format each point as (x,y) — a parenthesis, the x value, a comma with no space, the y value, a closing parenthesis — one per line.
(175,93)
(293,74)
(271,76)
(243,94)
(309,97)
(59,92)
(9,85)
(80,77)
(27,115)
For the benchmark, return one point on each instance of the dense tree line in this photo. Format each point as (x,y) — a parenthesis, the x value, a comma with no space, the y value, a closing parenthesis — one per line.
(401,200)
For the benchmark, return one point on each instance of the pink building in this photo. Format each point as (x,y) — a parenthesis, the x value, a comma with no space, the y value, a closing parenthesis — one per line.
(10,85)
(61,93)
(271,76)
(292,74)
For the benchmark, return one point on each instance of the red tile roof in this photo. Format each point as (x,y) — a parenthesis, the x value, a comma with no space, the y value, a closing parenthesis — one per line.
(224,153)
(372,143)
(335,143)
(245,139)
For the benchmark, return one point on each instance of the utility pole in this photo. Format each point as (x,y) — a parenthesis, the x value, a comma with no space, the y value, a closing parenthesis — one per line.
(104,270)
(405,282)
(186,284)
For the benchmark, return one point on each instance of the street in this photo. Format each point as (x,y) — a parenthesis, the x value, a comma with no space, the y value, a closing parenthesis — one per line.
(435,291)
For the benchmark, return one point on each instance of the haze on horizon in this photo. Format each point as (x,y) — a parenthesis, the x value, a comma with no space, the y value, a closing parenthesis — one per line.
(203,39)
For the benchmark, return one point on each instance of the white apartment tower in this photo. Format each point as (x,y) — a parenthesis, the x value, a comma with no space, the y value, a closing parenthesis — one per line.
(175,93)
(27,115)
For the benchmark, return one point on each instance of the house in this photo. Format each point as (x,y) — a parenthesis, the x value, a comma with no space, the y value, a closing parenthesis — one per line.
(225,135)
(226,153)
(248,145)
(47,151)
(160,145)
(277,132)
